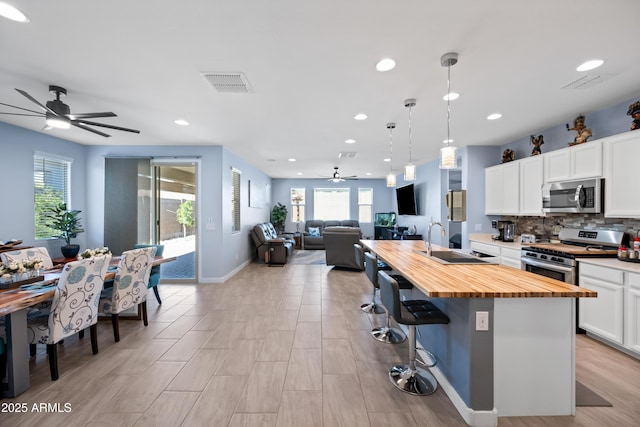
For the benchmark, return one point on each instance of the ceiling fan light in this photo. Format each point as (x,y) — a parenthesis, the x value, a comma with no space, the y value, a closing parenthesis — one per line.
(391,180)
(57,122)
(448,157)
(410,172)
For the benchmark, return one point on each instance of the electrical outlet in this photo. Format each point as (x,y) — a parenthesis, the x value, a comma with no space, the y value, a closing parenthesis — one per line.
(482,320)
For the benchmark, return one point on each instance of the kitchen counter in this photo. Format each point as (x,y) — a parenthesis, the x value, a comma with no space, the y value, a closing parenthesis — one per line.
(486,238)
(632,267)
(437,280)
(527,350)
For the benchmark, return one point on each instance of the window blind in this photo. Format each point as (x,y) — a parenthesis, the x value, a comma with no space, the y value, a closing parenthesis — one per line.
(51,187)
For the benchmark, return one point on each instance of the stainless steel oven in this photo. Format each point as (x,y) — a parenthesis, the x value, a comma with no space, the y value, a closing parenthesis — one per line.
(563,272)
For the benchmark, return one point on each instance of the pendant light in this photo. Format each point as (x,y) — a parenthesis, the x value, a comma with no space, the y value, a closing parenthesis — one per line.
(410,168)
(448,153)
(391,178)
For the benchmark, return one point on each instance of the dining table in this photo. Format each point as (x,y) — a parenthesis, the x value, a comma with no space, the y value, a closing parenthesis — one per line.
(14,304)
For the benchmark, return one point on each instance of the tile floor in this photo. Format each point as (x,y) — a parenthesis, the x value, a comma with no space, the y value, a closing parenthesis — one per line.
(270,347)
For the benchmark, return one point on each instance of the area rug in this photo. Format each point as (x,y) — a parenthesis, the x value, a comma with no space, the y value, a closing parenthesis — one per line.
(587,397)
(301,256)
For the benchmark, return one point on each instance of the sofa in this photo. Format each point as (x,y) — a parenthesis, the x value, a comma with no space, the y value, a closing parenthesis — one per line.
(314,230)
(338,245)
(266,239)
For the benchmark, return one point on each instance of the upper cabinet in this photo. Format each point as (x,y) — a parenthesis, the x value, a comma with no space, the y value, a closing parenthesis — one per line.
(621,194)
(531,180)
(577,162)
(502,189)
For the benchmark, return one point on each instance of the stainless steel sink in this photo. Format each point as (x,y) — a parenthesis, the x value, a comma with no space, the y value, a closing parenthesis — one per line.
(456,257)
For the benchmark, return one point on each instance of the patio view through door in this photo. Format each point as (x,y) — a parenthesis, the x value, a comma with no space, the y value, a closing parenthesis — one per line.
(174,222)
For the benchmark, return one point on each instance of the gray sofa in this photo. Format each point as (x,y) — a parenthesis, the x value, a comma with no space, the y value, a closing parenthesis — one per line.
(338,245)
(317,242)
(266,238)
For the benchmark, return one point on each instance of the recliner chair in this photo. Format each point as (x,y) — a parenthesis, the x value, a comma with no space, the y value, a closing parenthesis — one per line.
(266,239)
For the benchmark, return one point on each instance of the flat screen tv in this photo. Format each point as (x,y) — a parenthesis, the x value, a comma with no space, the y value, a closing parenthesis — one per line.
(406,200)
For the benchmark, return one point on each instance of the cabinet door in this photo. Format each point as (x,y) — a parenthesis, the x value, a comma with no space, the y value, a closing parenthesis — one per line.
(511,188)
(510,258)
(493,190)
(621,187)
(632,324)
(586,160)
(603,315)
(557,165)
(531,180)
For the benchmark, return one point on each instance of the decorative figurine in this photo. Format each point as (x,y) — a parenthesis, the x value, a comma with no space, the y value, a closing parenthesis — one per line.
(537,141)
(634,112)
(508,155)
(583,132)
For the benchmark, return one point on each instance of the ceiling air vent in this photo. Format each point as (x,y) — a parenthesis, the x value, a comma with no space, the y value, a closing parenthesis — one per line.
(586,81)
(347,155)
(228,82)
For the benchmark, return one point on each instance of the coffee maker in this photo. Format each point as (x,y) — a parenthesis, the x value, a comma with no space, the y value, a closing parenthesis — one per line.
(506,230)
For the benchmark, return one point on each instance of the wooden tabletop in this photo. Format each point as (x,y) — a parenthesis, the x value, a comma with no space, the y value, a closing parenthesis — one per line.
(467,281)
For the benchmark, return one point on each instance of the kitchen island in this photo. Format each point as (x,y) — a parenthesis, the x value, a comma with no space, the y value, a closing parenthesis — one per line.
(524,364)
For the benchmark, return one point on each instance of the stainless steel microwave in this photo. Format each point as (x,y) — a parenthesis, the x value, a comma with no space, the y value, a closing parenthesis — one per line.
(584,196)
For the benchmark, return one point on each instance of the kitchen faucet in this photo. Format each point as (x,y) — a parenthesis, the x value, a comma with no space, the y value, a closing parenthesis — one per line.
(431,224)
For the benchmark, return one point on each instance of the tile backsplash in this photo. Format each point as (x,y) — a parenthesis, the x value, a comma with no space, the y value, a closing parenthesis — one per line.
(544,226)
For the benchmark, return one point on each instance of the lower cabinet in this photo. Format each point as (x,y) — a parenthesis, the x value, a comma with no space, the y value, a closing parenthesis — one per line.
(510,258)
(615,313)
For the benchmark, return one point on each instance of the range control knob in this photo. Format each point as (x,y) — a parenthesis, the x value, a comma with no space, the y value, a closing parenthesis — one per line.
(543,257)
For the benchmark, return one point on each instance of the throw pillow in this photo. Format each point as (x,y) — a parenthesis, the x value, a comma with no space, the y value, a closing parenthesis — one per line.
(314,231)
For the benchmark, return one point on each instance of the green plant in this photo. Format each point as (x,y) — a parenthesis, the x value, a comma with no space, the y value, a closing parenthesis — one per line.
(184,216)
(66,222)
(279,216)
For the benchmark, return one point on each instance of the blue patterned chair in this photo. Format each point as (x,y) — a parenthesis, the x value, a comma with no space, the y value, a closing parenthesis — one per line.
(129,286)
(74,307)
(154,277)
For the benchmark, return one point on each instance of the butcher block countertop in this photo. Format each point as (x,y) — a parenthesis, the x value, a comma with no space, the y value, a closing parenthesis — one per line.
(438,280)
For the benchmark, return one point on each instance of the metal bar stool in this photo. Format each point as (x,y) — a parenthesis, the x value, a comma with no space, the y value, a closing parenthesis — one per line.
(371,307)
(385,334)
(409,378)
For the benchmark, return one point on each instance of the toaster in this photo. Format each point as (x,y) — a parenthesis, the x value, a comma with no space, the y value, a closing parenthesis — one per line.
(527,238)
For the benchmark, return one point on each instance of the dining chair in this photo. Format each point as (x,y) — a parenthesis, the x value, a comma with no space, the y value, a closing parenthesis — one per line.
(154,277)
(28,255)
(74,307)
(129,286)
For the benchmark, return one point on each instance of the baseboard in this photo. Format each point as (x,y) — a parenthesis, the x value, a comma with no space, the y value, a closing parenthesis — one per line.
(470,416)
(226,276)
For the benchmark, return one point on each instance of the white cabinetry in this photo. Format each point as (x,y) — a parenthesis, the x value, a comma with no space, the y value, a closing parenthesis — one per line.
(502,189)
(622,153)
(531,180)
(632,310)
(602,315)
(510,258)
(577,162)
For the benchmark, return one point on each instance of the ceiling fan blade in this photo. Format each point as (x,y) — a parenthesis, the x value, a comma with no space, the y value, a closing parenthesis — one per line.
(22,114)
(35,101)
(86,122)
(20,108)
(81,126)
(93,115)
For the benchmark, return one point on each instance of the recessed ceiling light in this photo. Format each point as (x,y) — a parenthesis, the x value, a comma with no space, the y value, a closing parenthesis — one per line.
(181,122)
(299,173)
(385,64)
(292,159)
(387,159)
(590,65)
(12,13)
(494,116)
(451,96)
(368,173)
(360,116)
(447,141)
(350,141)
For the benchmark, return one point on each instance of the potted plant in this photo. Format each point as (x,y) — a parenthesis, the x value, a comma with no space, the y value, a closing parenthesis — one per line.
(67,223)
(279,217)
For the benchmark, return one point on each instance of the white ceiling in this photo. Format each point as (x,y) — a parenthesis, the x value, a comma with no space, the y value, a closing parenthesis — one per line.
(312,68)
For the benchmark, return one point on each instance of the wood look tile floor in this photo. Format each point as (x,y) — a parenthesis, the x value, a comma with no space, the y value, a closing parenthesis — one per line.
(272,347)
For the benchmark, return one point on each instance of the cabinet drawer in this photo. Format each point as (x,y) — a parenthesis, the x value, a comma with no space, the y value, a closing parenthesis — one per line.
(485,248)
(610,275)
(634,280)
(511,253)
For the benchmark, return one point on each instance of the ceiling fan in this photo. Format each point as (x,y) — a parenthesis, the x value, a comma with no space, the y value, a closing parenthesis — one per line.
(337,178)
(58,114)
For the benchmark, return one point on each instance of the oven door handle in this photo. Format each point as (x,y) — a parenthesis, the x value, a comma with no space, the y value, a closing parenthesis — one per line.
(546,265)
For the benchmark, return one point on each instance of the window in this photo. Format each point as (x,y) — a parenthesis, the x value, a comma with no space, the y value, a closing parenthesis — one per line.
(331,203)
(50,188)
(365,202)
(298,204)
(235,200)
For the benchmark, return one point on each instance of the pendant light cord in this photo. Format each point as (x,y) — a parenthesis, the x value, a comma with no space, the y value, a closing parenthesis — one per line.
(410,134)
(391,126)
(448,105)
